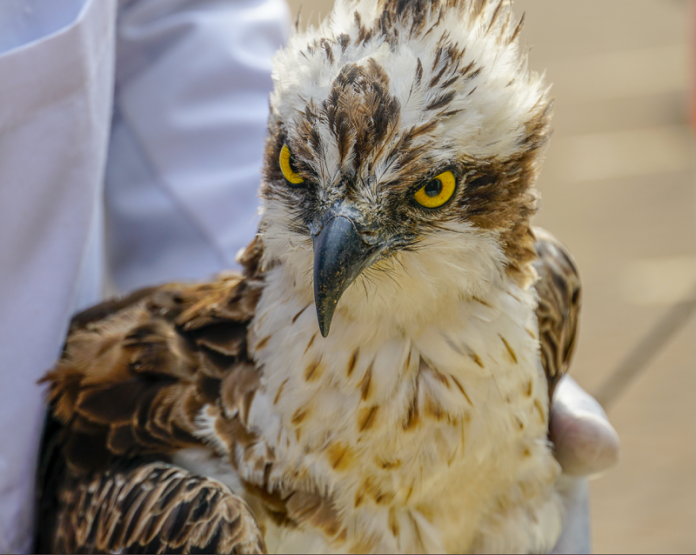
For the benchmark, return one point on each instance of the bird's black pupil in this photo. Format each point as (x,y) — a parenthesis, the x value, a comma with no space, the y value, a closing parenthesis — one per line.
(433,188)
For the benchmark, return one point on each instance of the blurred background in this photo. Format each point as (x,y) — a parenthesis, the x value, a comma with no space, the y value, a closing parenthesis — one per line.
(619,188)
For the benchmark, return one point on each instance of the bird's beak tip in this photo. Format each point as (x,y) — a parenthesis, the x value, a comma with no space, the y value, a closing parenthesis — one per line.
(324,318)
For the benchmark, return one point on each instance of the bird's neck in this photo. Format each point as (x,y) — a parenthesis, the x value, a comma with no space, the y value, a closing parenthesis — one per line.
(379,313)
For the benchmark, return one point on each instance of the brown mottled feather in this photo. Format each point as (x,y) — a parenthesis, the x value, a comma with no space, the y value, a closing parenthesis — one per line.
(134,375)
(140,506)
(559,305)
(134,382)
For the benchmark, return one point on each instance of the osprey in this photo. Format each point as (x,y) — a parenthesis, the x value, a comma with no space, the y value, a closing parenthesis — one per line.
(378,379)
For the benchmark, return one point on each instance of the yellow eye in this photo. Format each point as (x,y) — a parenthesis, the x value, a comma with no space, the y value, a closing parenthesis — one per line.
(292,176)
(437,191)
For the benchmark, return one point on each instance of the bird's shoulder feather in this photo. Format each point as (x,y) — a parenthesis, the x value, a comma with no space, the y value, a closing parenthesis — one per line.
(134,381)
(558,310)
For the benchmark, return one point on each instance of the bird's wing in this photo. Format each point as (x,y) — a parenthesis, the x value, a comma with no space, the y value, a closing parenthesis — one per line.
(133,378)
(558,311)
(136,373)
(140,506)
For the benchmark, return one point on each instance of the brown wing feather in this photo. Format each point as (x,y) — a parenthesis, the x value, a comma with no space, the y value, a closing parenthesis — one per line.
(134,382)
(559,305)
(134,375)
(140,506)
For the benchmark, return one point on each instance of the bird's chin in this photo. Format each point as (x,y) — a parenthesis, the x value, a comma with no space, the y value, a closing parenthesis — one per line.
(400,290)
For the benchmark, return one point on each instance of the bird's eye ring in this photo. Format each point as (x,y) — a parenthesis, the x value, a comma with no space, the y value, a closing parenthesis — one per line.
(289,173)
(437,191)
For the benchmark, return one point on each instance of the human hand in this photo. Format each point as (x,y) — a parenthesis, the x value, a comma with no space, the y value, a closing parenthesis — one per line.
(585,445)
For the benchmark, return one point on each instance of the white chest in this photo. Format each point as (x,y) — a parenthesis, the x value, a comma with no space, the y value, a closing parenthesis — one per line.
(422,438)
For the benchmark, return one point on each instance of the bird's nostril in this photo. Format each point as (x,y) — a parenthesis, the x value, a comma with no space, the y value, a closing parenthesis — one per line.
(370,236)
(315,228)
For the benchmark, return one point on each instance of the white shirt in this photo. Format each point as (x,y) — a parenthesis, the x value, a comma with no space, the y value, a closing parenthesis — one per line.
(191,81)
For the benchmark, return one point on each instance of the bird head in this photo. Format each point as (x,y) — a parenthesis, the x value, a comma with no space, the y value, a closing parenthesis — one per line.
(404,142)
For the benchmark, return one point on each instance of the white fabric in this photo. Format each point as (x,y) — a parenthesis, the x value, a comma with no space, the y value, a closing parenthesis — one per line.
(193,79)
(25,21)
(180,149)
(576,536)
(55,103)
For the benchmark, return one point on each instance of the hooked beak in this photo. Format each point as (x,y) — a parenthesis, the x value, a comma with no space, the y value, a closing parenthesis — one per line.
(340,255)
